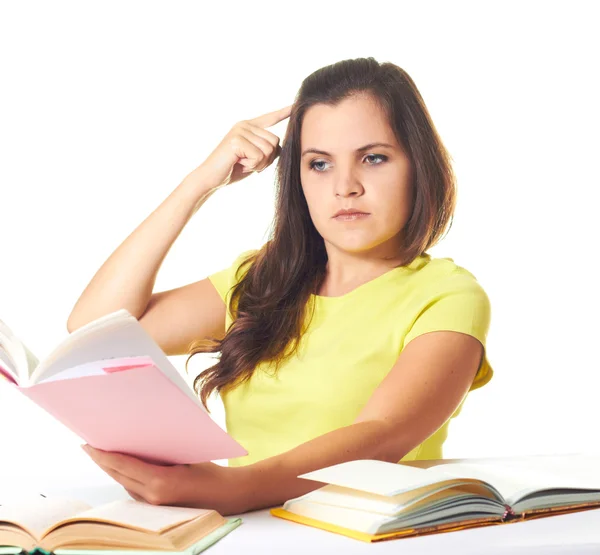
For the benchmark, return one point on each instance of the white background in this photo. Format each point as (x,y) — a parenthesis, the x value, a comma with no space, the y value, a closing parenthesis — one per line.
(105,107)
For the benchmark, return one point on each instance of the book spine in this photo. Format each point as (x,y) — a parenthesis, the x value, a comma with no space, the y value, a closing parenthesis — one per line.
(509,514)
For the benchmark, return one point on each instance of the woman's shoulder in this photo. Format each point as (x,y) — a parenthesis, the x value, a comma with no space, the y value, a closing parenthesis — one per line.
(225,278)
(243,256)
(446,266)
(240,258)
(445,273)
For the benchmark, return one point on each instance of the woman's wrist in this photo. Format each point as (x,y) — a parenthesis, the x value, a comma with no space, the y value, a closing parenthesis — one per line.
(195,190)
(199,181)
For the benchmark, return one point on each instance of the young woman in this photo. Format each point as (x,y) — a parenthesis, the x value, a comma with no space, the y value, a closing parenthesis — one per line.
(340,338)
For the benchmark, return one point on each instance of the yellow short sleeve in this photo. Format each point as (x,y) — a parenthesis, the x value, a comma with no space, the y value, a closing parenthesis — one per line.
(224,280)
(465,309)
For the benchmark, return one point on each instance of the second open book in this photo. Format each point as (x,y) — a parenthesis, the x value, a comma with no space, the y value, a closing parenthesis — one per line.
(111,384)
(373,500)
(69,527)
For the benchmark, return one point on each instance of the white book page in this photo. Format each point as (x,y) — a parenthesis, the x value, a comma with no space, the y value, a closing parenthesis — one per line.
(95,368)
(114,336)
(143,516)
(504,479)
(87,369)
(376,476)
(36,514)
(22,361)
(518,477)
(32,361)
(391,506)
(78,337)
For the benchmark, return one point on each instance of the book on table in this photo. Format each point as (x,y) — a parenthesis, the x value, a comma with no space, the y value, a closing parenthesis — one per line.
(113,386)
(373,500)
(69,527)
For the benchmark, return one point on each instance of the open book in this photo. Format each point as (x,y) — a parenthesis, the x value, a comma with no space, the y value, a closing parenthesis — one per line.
(111,384)
(72,527)
(372,500)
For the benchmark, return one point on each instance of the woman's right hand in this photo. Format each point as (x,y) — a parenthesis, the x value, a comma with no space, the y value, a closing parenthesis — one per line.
(246,148)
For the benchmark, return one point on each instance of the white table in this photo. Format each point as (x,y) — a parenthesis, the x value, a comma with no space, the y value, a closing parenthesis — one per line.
(262,533)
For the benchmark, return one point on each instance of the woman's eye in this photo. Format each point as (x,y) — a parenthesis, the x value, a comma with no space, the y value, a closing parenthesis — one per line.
(314,164)
(379,156)
(382,157)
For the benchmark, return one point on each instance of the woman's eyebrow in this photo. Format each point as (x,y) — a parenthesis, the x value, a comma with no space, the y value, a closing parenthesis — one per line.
(361,149)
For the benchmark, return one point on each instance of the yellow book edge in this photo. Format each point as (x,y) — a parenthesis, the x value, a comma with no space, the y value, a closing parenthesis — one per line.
(450,527)
(280,512)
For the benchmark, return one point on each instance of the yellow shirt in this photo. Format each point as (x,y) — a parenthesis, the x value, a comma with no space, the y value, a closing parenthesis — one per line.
(352,343)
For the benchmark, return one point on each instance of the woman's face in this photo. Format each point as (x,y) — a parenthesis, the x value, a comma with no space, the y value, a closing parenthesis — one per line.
(376,180)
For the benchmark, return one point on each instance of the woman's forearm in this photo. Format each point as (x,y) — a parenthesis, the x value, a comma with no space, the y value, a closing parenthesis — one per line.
(127,277)
(273,481)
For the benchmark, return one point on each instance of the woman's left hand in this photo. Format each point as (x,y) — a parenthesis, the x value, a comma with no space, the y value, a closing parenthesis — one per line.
(205,485)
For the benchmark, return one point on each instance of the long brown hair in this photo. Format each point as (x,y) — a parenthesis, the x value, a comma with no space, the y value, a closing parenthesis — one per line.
(270,301)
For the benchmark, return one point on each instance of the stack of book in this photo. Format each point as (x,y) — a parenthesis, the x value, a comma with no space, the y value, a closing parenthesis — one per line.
(372,500)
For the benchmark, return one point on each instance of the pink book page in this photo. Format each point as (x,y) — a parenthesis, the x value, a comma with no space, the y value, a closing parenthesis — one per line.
(137,411)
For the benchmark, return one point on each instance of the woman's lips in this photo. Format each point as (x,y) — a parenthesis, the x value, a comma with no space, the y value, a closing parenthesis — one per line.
(356,216)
